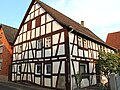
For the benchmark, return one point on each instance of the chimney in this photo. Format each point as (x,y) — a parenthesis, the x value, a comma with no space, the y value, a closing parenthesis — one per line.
(82,23)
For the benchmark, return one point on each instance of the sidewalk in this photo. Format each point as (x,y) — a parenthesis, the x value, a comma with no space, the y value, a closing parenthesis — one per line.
(19,86)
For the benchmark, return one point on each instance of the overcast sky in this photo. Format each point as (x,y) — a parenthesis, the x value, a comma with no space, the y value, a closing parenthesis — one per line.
(100,16)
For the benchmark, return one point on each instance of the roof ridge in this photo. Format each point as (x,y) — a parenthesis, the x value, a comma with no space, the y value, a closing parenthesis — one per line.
(66,21)
(9,26)
(69,19)
(60,13)
(9,33)
(114,32)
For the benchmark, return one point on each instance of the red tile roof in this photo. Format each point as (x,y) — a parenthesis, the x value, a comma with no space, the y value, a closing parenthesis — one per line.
(113,39)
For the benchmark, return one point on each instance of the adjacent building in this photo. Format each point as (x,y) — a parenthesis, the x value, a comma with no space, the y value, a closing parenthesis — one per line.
(113,39)
(50,49)
(7,36)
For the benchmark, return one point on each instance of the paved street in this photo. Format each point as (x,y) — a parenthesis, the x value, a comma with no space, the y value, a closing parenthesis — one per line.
(5,85)
(6,88)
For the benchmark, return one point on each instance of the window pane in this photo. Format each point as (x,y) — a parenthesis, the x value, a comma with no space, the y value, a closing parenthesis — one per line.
(48,68)
(80,41)
(38,68)
(82,69)
(48,42)
(19,69)
(33,44)
(85,43)
(39,43)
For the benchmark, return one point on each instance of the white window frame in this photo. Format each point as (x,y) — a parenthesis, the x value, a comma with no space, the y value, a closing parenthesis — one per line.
(84,67)
(85,43)
(48,42)
(46,69)
(38,66)
(80,41)
(33,44)
(39,44)
(19,68)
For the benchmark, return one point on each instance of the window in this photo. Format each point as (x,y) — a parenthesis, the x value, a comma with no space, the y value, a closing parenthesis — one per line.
(0,64)
(33,44)
(80,41)
(82,69)
(48,68)
(19,69)
(39,44)
(85,43)
(38,68)
(48,42)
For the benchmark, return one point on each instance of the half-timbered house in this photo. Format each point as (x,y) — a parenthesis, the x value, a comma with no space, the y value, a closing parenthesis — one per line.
(7,36)
(50,49)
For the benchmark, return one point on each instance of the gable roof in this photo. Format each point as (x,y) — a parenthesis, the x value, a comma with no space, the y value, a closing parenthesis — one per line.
(113,39)
(67,22)
(9,32)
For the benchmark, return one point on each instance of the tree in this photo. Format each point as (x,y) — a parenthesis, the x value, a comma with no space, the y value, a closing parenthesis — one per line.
(78,77)
(108,63)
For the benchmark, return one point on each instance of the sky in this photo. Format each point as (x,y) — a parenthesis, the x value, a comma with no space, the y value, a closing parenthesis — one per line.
(100,16)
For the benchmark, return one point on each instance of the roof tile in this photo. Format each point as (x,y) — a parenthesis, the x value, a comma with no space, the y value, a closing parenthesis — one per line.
(9,32)
(113,39)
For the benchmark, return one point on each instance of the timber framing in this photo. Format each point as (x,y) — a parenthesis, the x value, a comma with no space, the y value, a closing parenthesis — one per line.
(48,54)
